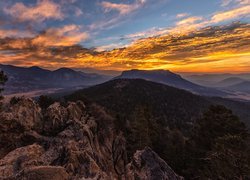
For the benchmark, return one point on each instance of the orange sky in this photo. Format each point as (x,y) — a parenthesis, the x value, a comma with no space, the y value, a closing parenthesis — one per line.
(195,36)
(210,49)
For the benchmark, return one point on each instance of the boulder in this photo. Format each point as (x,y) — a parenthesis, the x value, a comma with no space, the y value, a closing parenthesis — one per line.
(44,172)
(147,165)
(15,122)
(19,159)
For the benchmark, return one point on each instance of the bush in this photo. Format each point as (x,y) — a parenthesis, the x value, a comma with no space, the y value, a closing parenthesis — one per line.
(45,101)
(14,100)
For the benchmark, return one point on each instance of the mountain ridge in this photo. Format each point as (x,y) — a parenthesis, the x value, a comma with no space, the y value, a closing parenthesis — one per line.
(165,101)
(25,79)
(169,78)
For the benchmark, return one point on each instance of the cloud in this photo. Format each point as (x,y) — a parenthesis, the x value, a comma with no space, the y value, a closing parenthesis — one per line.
(197,48)
(182,15)
(190,20)
(147,33)
(43,10)
(65,36)
(220,47)
(109,47)
(225,3)
(78,11)
(15,33)
(243,11)
(122,8)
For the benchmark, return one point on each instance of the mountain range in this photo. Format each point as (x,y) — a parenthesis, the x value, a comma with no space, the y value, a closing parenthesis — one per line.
(27,80)
(243,86)
(94,132)
(217,80)
(22,79)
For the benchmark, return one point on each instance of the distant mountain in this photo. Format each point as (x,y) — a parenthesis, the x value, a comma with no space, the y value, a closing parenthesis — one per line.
(169,78)
(229,82)
(243,86)
(22,79)
(99,71)
(210,80)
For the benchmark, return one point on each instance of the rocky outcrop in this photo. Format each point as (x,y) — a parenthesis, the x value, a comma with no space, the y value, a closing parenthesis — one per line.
(69,142)
(44,172)
(146,164)
(17,121)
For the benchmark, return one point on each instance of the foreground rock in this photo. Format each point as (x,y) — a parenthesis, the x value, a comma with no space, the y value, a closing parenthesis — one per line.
(146,164)
(71,142)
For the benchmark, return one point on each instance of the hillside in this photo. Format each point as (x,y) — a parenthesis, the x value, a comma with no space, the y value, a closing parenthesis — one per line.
(241,109)
(169,105)
(168,120)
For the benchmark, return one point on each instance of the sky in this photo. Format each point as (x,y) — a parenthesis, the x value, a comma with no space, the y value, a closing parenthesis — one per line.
(179,35)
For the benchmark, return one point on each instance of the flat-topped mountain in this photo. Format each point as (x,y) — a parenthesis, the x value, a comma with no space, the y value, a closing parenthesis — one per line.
(169,78)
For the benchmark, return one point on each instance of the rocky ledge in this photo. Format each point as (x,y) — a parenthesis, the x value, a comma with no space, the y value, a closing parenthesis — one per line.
(74,141)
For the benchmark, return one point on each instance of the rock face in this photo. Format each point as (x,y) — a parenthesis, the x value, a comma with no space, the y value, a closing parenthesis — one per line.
(69,142)
(146,164)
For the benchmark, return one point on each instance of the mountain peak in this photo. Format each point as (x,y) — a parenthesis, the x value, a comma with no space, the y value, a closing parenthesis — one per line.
(36,68)
(169,78)
(158,72)
(150,71)
(64,69)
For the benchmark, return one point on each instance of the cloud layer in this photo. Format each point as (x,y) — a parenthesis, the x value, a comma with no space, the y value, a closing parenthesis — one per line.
(122,8)
(48,33)
(43,10)
(216,47)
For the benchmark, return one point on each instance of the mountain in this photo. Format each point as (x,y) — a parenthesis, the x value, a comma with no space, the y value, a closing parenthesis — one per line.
(243,86)
(121,97)
(171,79)
(229,82)
(22,79)
(76,141)
(99,71)
(210,80)
(169,105)
(163,117)
(82,140)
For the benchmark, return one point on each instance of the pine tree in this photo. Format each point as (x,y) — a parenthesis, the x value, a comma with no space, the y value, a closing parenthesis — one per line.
(142,128)
(220,146)
(3,79)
